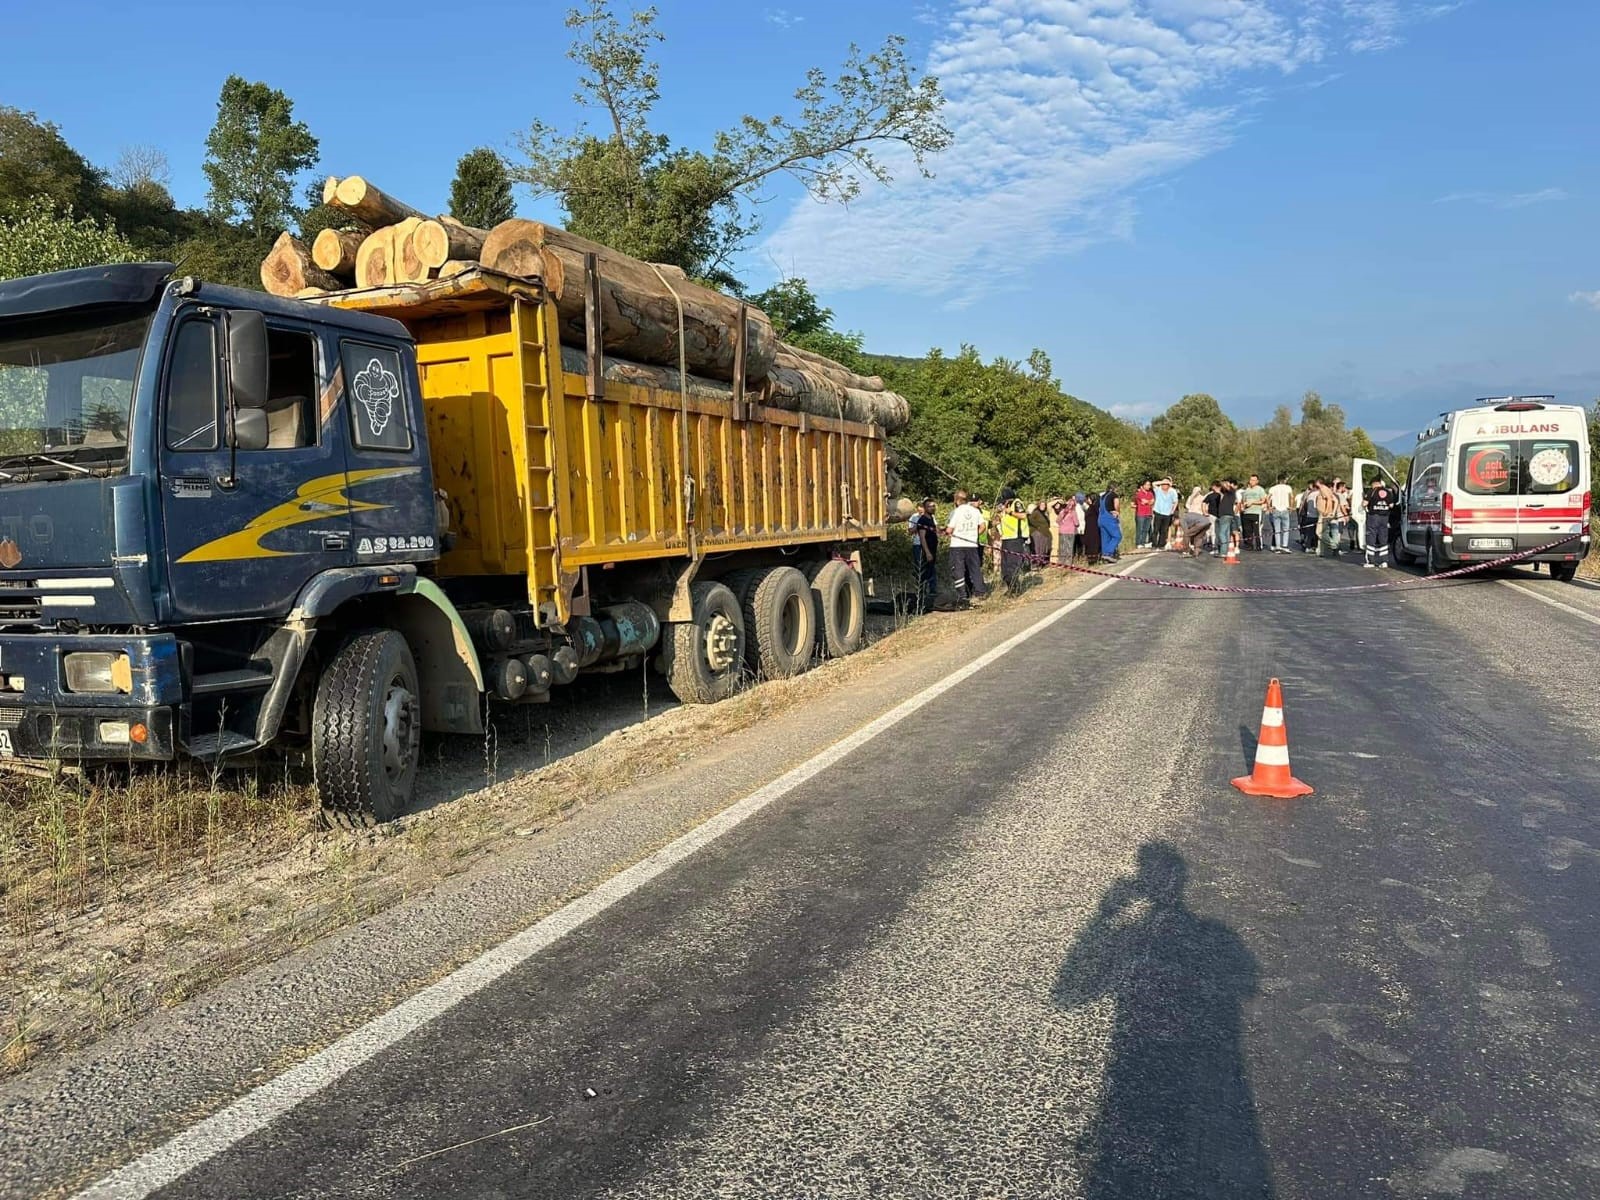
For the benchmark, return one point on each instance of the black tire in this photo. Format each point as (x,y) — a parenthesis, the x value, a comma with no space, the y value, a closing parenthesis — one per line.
(1564,572)
(1437,564)
(841,601)
(366,730)
(704,658)
(1401,555)
(780,624)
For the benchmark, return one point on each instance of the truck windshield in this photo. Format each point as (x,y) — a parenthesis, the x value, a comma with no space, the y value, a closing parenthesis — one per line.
(66,384)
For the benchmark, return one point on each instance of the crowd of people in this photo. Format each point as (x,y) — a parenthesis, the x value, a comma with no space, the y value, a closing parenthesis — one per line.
(1018,535)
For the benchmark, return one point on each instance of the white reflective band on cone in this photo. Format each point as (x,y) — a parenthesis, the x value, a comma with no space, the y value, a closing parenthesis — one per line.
(1272,717)
(1272,756)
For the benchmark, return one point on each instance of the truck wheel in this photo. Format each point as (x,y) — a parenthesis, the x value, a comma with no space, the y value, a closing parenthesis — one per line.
(366,728)
(1436,561)
(1564,572)
(704,657)
(841,600)
(780,623)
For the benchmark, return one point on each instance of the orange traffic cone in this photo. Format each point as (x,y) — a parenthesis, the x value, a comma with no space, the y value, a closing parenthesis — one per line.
(1233,553)
(1271,776)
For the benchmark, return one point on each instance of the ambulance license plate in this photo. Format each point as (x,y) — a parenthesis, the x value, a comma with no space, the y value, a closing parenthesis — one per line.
(1492,543)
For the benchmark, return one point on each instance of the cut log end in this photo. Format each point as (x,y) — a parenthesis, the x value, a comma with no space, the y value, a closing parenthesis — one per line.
(288,269)
(335,250)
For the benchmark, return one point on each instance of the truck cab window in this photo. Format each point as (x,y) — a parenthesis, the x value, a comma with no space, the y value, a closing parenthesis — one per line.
(192,391)
(291,389)
(375,398)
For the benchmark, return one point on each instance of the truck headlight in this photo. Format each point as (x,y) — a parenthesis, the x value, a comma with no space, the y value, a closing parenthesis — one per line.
(98,672)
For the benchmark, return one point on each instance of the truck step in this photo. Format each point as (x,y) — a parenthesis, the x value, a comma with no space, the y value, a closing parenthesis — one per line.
(241,680)
(211,747)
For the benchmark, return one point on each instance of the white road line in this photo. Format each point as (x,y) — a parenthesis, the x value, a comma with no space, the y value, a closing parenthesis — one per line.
(1567,608)
(254,1110)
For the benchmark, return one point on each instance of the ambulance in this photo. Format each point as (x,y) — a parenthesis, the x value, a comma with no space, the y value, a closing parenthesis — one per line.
(1511,473)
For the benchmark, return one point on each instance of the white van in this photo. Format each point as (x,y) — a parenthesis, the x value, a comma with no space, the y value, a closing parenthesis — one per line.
(1509,474)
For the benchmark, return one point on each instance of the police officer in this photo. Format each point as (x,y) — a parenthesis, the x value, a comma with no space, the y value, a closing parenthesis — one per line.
(1380,499)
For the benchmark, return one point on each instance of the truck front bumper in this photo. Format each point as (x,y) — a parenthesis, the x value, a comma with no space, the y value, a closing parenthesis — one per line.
(41,719)
(113,732)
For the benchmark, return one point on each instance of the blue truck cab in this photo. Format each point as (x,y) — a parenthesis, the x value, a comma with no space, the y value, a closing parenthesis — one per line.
(217,518)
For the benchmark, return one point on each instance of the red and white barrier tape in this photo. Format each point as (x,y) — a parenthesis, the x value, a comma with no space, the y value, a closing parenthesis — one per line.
(1388,584)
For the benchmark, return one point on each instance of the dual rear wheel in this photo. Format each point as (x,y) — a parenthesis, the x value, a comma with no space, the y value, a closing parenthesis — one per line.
(769,622)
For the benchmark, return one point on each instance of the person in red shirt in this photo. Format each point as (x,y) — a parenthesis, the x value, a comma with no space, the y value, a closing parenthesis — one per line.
(1144,507)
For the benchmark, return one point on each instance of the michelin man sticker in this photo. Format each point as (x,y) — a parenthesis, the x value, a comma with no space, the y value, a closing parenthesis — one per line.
(376,389)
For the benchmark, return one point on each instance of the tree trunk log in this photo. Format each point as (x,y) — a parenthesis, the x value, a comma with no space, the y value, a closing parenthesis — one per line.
(799,392)
(405,266)
(438,241)
(310,293)
(456,266)
(806,391)
(288,268)
(806,360)
(368,205)
(639,316)
(330,190)
(372,260)
(335,250)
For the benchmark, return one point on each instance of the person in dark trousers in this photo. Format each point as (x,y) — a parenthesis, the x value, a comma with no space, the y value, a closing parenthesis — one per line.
(1014,545)
(925,553)
(966,561)
(1380,500)
(1091,529)
(1308,517)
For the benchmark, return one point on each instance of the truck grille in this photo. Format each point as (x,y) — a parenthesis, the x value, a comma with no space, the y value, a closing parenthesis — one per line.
(10,718)
(19,600)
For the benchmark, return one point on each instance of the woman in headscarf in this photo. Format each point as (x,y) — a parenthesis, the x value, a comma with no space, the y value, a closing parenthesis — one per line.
(1091,530)
(1110,523)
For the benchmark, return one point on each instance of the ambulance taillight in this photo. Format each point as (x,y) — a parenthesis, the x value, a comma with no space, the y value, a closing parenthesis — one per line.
(1448,521)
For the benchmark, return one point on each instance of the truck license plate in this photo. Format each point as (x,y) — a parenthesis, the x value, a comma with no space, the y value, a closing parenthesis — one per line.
(1493,543)
(6,750)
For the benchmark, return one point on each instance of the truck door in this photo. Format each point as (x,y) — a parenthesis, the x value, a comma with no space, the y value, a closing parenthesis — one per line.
(391,480)
(246,529)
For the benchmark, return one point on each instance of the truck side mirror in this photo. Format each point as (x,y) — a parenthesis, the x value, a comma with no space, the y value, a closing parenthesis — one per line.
(250,429)
(247,359)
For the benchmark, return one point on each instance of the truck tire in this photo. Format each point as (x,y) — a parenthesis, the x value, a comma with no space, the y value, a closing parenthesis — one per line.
(841,603)
(704,658)
(1564,572)
(780,626)
(366,728)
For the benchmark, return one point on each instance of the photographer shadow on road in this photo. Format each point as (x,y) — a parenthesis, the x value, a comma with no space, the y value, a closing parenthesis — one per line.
(1177,1118)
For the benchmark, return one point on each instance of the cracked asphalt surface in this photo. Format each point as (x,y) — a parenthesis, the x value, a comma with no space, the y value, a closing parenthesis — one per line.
(1028,942)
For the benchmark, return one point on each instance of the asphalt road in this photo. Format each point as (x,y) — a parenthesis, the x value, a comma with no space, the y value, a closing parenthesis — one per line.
(1028,942)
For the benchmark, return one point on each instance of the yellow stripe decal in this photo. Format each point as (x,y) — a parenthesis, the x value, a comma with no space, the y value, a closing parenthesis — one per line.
(314,500)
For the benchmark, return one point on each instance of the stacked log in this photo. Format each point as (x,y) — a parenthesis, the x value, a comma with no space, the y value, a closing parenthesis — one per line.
(639,303)
(388,243)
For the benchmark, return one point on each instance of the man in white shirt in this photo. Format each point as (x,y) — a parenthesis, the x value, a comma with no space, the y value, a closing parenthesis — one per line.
(1280,511)
(966,560)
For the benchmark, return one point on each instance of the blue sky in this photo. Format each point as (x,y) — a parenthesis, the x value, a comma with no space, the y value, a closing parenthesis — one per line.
(1391,201)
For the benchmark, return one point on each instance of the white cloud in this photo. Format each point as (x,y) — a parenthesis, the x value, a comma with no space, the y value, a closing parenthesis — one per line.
(1140,411)
(1506,199)
(1061,109)
(1591,299)
(782,18)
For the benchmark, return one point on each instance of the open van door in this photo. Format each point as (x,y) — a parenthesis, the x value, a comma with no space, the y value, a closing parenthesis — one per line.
(1364,472)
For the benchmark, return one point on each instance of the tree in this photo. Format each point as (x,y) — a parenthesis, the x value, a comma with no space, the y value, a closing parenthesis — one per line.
(254,155)
(141,168)
(36,161)
(793,308)
(35,239)
(1192,442)
(630,188)
(480,194)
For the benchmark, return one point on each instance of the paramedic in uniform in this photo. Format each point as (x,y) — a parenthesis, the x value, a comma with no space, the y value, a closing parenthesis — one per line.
(1380,500)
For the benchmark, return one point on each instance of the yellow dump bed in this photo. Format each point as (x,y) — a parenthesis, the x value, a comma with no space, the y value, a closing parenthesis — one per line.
(544,479)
